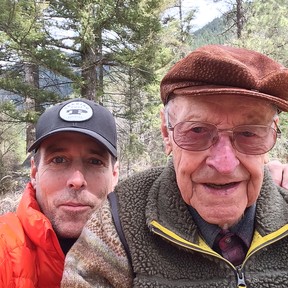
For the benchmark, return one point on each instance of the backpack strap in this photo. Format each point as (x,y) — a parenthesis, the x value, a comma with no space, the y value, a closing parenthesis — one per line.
(115,215)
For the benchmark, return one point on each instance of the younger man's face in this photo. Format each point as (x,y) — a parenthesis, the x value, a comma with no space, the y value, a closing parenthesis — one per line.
(74,175)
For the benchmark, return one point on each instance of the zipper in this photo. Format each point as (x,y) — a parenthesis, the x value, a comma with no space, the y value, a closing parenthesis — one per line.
(240,277)
(189,245)
(239,271)
(267,243)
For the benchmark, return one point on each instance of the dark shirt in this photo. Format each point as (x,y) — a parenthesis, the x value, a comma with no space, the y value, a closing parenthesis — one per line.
(243,229)
(66,244)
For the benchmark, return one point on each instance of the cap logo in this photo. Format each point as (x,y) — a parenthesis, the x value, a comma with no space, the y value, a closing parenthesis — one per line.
(76,111)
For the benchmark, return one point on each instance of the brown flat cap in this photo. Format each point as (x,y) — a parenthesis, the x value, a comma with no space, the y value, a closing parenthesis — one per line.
(219,69)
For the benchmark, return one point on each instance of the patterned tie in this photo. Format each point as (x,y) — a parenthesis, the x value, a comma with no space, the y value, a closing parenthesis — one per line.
(230,246)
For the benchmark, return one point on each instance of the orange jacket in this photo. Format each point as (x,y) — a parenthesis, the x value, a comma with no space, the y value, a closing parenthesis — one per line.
(30,254)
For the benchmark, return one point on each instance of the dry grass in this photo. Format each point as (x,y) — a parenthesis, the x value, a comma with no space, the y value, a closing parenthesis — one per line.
(11,188)
(9,202)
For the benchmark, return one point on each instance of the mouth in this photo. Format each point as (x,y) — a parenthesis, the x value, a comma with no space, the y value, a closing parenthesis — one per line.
(222,186)
(72,206)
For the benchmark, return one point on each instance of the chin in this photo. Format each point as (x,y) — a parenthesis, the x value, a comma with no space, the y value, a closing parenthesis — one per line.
(229,222)
(223,221)
(69,232)
(69,235)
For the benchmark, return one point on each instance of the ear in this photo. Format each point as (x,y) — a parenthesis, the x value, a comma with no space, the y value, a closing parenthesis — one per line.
(33,172)
(115,176)
(276,119)
(266,156)
(165,133)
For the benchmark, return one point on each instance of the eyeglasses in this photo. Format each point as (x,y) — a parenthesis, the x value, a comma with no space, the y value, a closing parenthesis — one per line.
(247,139)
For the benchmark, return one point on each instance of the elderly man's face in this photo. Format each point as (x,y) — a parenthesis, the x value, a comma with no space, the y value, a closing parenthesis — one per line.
(219,182)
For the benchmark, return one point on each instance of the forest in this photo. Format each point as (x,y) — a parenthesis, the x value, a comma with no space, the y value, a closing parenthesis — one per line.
(114,52)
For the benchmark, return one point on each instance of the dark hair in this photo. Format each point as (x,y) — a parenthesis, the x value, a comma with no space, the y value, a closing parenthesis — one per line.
(37,157)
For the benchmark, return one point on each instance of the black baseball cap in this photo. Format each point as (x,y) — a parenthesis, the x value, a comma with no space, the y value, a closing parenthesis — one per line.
(78,115)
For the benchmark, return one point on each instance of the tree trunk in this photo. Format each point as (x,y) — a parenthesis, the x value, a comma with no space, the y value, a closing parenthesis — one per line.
(31,77)
(239,17)
(89,73)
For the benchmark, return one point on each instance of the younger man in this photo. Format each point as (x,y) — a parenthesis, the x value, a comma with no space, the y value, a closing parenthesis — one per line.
(73,169)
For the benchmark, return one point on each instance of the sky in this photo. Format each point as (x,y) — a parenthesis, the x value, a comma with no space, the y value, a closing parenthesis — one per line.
(207,11)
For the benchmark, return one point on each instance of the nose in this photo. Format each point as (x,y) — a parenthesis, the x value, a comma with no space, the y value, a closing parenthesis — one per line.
(76,180)
(222,156)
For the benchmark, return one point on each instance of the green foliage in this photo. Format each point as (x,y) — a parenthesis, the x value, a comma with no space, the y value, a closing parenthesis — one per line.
(116,52)
(280,151)
(214,32)
(123,38)
(12,150)
(266,29)
(22,38)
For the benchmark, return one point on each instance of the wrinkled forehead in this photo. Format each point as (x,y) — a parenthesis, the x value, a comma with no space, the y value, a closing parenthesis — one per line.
(180,106)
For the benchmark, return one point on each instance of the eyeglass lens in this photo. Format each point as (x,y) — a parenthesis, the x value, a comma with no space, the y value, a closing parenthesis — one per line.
(247,139)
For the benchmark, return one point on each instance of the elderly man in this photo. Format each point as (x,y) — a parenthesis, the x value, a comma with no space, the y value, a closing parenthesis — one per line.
(72,171)
(213,216)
